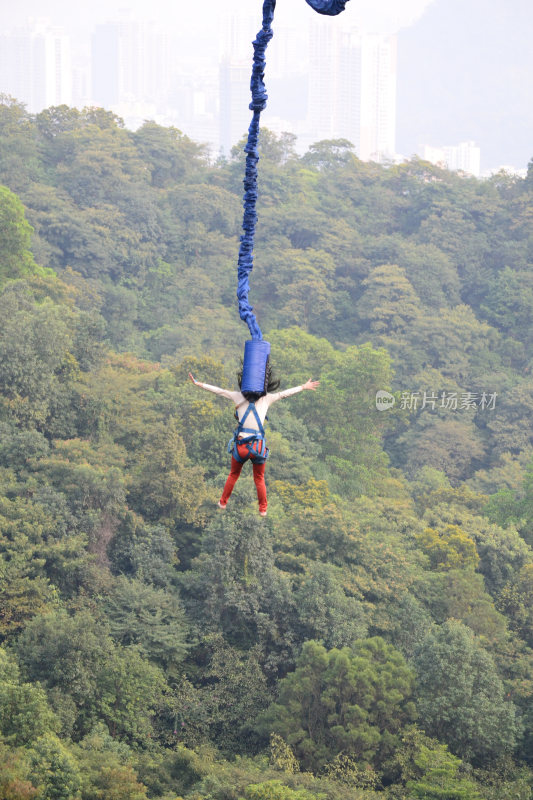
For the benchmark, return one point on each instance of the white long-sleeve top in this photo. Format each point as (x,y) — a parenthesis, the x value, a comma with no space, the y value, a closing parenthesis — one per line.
(262,405)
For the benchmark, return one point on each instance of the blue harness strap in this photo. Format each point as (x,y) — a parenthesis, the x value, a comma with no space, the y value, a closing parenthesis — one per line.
(255,440)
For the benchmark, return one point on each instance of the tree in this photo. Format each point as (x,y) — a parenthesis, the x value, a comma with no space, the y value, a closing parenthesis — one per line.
(74,657)
(277,149)
(450,548)
(107,767)
(233,586)
(36,366)
(19,447)
(516,508)
(502,552)
(352,701)
(232,692)
(171,155)
(88,476)
(461,595)
(325,612)
(389,304)
(211,206)
(510,422)
(308,298)
(329,154)
(129,693)
(471,346)
(26,555)
(516,601)
(102,162)
(19,159)
(153,618)
(461,698)
(54,769)
(509,303)
(14,771)
(41,539)
(120,783)
(275,790)
(22,595)
(281,755)
(448,444)
(143,551)
(16,260)
(349,381)
(454,231)
(24,711)
(344,769)
(67,654)
(428,771)
(161,489)
(431,273)
(440,778)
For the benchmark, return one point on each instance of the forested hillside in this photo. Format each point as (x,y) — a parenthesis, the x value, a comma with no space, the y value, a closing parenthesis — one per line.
(372,637)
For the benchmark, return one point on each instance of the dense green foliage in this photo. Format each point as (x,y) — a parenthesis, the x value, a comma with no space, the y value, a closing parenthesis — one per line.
(373,636)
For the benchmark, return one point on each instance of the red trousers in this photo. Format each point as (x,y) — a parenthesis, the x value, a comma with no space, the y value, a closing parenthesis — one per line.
(233,477)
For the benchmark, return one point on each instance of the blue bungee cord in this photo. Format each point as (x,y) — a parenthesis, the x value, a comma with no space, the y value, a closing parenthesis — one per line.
(259,101)
(257,351)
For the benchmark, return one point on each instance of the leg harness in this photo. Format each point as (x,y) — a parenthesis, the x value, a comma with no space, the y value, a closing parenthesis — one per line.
(254,441)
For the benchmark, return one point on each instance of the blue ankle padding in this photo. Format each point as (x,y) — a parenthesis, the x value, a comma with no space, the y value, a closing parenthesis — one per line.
(256,353)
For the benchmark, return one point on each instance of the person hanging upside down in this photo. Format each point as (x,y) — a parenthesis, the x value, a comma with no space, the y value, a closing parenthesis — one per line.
(249,437)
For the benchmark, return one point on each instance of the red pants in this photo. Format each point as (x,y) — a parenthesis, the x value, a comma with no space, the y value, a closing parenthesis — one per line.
(233,477)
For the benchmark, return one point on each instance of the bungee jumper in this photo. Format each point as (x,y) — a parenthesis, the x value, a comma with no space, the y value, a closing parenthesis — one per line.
(257,388)
(248,441)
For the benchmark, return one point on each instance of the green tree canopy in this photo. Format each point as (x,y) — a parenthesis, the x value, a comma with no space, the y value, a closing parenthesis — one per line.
(461,698)
(350,700)
(16,260)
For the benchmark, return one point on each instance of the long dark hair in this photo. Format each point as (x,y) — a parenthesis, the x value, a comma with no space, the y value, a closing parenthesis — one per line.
(271,384)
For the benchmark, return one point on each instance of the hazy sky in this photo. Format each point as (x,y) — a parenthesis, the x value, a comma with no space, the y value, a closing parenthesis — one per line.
(382,15)
(465,73)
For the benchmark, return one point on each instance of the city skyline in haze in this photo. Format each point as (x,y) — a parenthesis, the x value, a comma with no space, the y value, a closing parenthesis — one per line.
(196,39)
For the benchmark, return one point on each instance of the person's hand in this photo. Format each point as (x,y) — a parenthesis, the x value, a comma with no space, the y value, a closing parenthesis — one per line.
(193,379)
(312,385)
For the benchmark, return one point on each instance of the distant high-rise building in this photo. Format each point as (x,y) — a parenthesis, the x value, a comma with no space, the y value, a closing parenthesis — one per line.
(193,108)
(324,83)
(378,98)
(35,66)
(235,69)
(352,90)
(435,155)
(131,62)
(323,91)
(106,64)
(235,97)
(285,78)
(463,157)
(288,53)
(238,33)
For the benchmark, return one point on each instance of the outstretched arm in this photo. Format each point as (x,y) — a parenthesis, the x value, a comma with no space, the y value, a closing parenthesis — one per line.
(235,397)
(310,384)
